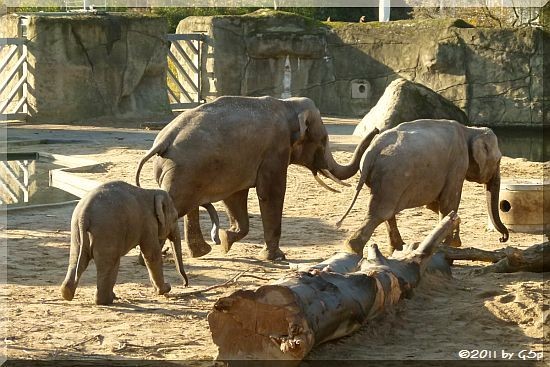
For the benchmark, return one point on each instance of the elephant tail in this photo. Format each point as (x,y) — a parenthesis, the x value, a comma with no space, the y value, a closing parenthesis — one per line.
(157,148)
(367,165)
(214,232)
(79,259)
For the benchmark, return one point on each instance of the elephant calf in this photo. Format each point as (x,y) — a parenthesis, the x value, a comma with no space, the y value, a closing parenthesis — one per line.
(109,222)
(425,162)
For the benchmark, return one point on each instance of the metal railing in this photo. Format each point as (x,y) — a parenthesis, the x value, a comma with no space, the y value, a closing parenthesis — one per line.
(184,70)
(13,78)
(84,5)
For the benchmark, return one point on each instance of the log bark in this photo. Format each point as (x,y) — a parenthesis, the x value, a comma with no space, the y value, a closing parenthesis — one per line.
(534,259)
(285,320)
(508,260)
(471,253)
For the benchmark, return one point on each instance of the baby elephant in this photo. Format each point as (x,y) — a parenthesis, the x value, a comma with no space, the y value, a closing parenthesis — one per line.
(109,222)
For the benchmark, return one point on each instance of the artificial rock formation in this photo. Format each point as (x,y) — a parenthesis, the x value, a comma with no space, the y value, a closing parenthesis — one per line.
(407,101)
(494,75)
(94,66)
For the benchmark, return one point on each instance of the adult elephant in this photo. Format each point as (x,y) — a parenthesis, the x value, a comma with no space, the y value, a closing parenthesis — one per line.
(425,162)
(219,150)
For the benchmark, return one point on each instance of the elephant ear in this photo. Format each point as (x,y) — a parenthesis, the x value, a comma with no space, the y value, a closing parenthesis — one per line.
(482,153)
(159,211)
(302,121)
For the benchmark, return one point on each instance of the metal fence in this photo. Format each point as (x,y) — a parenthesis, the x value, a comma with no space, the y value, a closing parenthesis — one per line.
(184,70)
(13,78)
(84,5)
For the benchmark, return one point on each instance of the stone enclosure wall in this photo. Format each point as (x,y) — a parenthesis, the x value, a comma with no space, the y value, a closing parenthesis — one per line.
(94,66)
(494,75)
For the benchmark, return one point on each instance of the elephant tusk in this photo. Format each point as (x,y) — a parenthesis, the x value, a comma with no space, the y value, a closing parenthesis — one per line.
(324,184)
(327,174)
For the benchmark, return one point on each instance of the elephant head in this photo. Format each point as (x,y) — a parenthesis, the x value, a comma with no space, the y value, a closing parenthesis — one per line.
(167,217)
(311,148)
(484,167)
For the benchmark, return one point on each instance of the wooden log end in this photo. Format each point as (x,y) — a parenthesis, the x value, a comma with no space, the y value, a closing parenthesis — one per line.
(265,324)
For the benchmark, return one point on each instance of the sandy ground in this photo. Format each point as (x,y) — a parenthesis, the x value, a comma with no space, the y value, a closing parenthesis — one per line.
(497,312)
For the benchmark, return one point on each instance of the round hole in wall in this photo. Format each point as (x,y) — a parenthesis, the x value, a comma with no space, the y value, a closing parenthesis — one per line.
(505,206)
(362,88)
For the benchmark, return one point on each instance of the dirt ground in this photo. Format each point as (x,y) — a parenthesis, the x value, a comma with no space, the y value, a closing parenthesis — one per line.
(497,312)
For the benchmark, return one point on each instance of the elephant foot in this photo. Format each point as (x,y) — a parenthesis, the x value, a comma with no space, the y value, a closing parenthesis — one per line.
(398,246)
(456,242)
(67,292)
(199,249)
(105,299)
(272,254)
(453,242)
(224,241)
(165,289)
(354,247)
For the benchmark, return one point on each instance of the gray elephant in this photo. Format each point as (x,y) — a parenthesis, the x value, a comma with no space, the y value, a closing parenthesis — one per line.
(196,248)
(110,221)
(425,162)
(219,150)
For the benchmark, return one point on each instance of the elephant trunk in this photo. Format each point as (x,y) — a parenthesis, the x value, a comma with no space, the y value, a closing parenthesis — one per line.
(175,241)
(493,189)
(343,172)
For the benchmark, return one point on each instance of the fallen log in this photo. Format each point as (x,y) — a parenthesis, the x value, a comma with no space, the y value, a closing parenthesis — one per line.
(534,259)
(471,253)
(285,320)
(507,260)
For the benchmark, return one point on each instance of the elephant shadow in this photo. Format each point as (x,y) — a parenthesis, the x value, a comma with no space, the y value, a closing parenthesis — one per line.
(38,253)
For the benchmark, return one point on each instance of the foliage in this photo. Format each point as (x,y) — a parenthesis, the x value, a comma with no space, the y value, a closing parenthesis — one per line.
(351,14)
(174,15)
(482,16)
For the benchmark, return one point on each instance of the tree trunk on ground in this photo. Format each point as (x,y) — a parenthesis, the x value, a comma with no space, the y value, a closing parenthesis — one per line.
(471,253)
(535,258)
(285,320)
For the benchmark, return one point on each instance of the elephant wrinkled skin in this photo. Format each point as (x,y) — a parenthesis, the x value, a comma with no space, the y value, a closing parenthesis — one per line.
(219,150)
(425,162)
(109,222)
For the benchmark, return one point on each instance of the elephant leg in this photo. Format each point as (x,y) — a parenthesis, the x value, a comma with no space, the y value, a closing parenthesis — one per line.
(107,272)
(77,265)
(359,238)
(377,213)
(396,241)
(452,239)
(153,260)
(236,206)
(271,189)
(193,234)
(140,259)
(449,201)
(188,207)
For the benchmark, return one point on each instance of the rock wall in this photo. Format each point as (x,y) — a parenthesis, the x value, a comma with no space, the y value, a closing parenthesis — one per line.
(96,66)
(494,75)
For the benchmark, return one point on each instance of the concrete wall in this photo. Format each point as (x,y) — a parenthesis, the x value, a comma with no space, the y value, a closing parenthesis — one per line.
(96,66)
(494,75)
